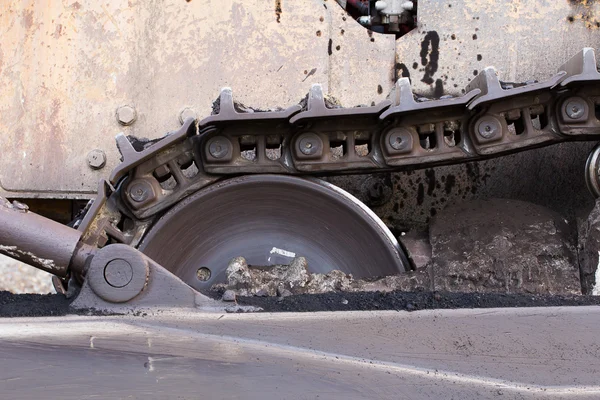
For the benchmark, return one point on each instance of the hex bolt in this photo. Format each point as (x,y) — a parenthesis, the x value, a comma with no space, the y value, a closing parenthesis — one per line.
(399,139)
(310,144)
(186,113)
(118,273)
(396,142)
(96,159)
(575,108)
(140,191)
(126,115)
(488,127)
(219,147)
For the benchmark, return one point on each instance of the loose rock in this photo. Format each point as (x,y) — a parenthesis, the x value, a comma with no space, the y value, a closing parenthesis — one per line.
(242,309)
(238,274)
(283,292)
(418,248)
(503,246)
(229,295)
(286,280)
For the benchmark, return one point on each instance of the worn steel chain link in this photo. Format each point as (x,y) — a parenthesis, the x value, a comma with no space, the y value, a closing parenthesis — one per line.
(405,132)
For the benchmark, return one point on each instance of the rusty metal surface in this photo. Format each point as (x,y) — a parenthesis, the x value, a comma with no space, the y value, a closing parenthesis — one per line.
(35,240)
(122,280)
(548,353)
(454,40)
(154,176)
(68,67)
(490,120)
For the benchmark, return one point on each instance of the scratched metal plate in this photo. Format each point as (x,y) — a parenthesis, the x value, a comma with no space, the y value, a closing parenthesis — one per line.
(535,353)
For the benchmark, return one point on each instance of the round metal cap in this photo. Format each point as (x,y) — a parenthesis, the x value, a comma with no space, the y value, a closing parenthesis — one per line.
(399,140)
(310,144)
(575,108)
(117,273)
(219,147)
(488,127)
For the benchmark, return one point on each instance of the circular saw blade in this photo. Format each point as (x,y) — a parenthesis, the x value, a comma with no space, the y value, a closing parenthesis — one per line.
(269,220)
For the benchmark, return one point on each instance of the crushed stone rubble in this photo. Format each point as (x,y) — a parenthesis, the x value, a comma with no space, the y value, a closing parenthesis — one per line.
(286,280)
(483,246)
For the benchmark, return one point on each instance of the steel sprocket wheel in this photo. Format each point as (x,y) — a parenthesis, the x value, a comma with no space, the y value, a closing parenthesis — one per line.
(269,219)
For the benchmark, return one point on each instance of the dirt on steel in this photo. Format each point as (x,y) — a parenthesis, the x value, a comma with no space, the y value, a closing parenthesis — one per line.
(410,301)
(35,305)
(39,305)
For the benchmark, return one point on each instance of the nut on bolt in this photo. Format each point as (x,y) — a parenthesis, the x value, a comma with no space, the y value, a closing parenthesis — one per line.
(399,139)
(219,147)
(310,144)
(186,113)
(377,190)
(126,115)
(488,127)
(575,108)
(96,159)
(140,191)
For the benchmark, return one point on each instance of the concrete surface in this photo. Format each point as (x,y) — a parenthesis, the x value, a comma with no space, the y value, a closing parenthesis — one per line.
(17,277)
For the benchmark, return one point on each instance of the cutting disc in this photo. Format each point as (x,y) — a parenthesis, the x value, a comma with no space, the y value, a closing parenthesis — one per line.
(269,220)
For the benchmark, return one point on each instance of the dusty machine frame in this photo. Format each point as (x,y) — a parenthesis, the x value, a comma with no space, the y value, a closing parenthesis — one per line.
(492,118)
(532,353)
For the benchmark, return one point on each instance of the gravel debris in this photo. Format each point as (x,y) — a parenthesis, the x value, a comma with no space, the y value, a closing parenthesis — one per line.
(229,295)
(16,277)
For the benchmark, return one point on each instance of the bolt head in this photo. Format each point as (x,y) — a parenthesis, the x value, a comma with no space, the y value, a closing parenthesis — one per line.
(96,159)
(575,108)
(398,140)
(140,191)
(186,113)
(488,127)
(310,144)
(126,115)
(377,191)
(118,273)
(219,147)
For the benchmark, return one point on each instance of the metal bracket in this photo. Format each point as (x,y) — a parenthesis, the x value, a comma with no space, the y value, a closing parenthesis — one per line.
(121,279)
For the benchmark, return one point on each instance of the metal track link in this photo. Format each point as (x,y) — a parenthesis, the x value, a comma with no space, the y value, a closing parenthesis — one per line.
(315,137)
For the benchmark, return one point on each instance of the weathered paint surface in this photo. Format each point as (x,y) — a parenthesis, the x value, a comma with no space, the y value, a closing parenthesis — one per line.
(65,67)
(523,39)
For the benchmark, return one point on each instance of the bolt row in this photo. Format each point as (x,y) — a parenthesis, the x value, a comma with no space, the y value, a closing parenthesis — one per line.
(310,145)
(126,115)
